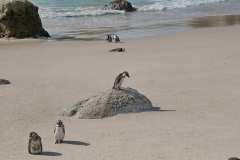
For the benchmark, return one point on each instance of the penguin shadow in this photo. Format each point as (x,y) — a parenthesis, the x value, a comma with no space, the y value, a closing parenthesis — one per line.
(76,143)
(50,153)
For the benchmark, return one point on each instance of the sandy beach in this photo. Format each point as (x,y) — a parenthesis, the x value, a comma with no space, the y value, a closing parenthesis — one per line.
(192,76)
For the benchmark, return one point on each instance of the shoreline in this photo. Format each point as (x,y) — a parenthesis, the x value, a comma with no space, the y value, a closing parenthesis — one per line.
(132,25)
(196,23)
(200,24)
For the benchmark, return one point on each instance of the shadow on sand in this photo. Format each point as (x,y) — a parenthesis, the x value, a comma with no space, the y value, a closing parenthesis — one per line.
(49,153)
(76,143)
(158,109)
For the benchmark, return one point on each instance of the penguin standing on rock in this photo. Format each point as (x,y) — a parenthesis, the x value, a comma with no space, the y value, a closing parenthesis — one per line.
(34,143)
(59,132)
(119,80)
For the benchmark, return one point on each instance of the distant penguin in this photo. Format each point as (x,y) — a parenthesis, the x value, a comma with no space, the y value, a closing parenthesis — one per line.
(119,80)
(108,38)
(117,50)
(59,132)
(116,38)
(34,143)
(4,82)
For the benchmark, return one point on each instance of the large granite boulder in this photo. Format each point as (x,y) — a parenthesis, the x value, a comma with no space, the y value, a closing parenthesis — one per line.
(109,103)
(122,5)
(20,19)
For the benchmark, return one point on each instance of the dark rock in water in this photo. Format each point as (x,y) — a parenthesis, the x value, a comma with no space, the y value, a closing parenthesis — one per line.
(110,103)
(122,5)
(4,82)
(20,19)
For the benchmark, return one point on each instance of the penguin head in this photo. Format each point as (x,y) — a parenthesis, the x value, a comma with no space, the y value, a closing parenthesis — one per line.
(59,123)
(33,135)
(126,74)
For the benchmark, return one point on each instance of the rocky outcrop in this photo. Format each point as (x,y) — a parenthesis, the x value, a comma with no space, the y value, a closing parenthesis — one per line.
(20,19)
(122,5)
(109,103)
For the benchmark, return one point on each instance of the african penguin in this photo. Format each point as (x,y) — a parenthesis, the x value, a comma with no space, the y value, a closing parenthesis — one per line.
(119,80)
(34,143)
(59,132)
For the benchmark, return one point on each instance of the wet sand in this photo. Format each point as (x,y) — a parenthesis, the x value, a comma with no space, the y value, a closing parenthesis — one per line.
(215,21)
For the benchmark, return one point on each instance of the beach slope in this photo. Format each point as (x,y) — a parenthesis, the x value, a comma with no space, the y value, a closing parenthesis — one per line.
(192,76)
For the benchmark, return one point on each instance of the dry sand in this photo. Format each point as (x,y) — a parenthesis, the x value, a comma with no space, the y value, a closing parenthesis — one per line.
(194,76)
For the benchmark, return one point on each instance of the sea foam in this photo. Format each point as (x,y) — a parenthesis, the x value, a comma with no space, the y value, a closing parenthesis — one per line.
(76,12)
(159,5)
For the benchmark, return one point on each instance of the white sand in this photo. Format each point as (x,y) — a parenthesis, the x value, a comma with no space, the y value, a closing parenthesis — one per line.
(196,73)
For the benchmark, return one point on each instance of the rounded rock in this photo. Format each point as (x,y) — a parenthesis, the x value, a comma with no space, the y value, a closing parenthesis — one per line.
(109,103)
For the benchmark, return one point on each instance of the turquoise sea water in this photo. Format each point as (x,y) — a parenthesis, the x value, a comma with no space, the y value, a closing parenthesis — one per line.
(86,19)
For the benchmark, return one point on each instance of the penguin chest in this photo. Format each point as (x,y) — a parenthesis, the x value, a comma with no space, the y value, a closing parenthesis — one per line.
(35,147)
(59,133)
(120,82)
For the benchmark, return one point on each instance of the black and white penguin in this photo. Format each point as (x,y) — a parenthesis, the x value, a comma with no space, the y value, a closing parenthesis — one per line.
(116,38)
(108,38)
(119,80)
(59,132)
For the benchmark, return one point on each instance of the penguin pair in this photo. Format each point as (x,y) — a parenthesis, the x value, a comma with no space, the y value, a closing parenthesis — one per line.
(112,38)
(35,141)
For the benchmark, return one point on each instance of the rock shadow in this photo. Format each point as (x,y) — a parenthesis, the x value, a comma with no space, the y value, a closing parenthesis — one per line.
(158,109)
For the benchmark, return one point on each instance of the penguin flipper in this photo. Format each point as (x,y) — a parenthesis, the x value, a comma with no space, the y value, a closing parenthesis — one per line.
(29,147)
(63,129)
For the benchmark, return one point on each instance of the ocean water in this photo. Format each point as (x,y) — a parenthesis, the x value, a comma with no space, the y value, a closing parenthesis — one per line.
(87,20)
